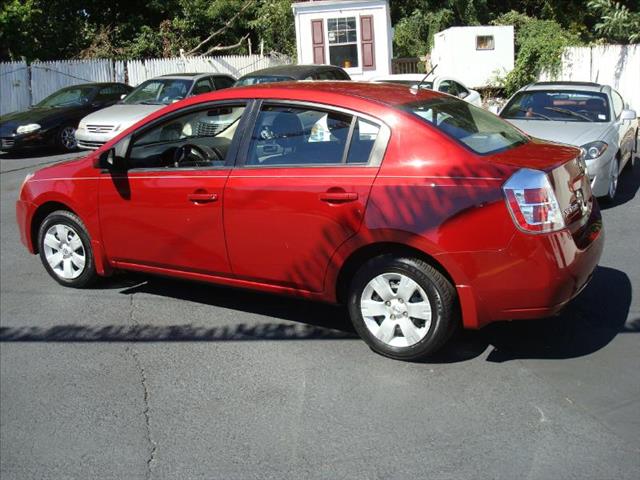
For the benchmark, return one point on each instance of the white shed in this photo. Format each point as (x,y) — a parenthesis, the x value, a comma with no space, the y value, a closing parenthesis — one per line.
(475,55)
(353,34)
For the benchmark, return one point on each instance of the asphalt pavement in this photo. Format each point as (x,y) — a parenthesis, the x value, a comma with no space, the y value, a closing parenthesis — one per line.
(142,377)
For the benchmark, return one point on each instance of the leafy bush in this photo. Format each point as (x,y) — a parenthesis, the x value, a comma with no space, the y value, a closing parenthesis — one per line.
(539,45)
(413,35)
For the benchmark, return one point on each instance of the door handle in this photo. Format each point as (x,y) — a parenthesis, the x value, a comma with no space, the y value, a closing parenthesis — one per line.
(202,197)
(337,197)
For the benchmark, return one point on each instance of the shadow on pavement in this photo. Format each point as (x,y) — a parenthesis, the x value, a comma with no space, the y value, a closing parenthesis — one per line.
(588,324)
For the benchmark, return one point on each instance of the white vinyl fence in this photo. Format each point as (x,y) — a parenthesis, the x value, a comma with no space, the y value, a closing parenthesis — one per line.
(615,65)
(23,85)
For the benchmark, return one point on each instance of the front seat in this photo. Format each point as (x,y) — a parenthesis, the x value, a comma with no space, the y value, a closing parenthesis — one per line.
(283,131)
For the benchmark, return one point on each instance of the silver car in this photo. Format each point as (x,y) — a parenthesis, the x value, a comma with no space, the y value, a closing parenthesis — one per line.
(98,128)
(588,115)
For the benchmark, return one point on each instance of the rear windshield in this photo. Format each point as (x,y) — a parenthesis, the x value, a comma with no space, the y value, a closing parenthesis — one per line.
(261,79)
(558,105)
(475,128)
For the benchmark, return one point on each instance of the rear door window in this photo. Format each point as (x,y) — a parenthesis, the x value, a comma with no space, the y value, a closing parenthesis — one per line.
(202,86)
(222,82)
(302,136)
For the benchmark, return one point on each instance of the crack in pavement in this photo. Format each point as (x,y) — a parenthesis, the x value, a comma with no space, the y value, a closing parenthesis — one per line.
(153,446)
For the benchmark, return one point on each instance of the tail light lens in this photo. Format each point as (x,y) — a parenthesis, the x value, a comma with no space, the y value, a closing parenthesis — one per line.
(532,202)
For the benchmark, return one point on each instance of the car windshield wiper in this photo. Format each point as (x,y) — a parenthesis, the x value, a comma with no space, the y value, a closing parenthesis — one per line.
(149,102)
(569,112)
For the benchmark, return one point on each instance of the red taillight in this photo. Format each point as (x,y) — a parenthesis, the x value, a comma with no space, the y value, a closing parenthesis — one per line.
(532,202)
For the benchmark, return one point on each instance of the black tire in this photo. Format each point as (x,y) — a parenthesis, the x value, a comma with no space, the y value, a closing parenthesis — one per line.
(71,221)
(610,197)
(445,317)
(63,142)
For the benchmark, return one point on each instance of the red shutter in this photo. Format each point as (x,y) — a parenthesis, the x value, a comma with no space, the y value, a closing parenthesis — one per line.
(317,35)
(368,43)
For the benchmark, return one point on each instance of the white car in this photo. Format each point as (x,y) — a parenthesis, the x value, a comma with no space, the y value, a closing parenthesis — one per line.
(443,84)
(588,115)
(99,127)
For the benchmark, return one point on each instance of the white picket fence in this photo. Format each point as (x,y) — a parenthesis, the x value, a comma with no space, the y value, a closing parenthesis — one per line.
(236,65)
(615,65)
(14,86)
(22,85)
(47,77)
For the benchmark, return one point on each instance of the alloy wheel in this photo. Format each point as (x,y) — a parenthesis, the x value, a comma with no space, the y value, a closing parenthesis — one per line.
(68,138)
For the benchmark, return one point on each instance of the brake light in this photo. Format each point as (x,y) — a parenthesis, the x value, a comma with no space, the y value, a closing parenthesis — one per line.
(532,202)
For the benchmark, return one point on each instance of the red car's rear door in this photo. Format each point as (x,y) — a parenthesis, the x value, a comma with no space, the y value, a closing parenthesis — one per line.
(299,191)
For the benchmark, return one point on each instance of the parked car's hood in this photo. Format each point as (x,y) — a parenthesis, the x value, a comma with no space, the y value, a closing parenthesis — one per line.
(120,114)
(571,133)
(42,116)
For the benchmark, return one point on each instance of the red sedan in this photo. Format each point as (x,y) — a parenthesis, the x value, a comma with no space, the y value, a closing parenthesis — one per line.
(416,209)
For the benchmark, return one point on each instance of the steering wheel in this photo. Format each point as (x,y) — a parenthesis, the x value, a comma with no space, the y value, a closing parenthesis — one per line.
(200,155)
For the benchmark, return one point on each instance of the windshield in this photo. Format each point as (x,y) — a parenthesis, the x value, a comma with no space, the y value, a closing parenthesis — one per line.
(475,128)
(67,97)
(558,105)
(159,92)
(261,79)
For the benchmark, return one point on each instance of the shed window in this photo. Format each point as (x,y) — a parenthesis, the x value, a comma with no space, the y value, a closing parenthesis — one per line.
(343,42)
(485,42)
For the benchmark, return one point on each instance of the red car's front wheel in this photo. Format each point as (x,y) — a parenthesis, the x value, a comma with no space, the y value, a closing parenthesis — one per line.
(65,249)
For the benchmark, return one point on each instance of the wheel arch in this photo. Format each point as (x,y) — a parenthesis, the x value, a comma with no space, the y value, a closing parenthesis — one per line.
(40,214)
(365,253)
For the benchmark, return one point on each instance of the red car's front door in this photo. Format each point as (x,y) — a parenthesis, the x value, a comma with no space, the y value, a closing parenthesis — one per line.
(299,192)
(166,210)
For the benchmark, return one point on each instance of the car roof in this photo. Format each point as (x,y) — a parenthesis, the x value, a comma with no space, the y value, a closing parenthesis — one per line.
(565,85)
(388,94)
(93,85)
(297,72)
(194,75)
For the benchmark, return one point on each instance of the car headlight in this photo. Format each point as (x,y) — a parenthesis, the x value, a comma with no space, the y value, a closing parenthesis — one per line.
(593,150)
(31,127)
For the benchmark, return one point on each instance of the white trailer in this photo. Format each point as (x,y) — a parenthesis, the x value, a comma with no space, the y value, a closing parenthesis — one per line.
(476,55)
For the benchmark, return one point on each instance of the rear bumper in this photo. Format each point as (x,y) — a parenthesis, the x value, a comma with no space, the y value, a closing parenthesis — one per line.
(534,277)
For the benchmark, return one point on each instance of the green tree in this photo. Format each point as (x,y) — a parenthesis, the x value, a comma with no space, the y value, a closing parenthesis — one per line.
(616,21)
(413,36)
(273,24)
